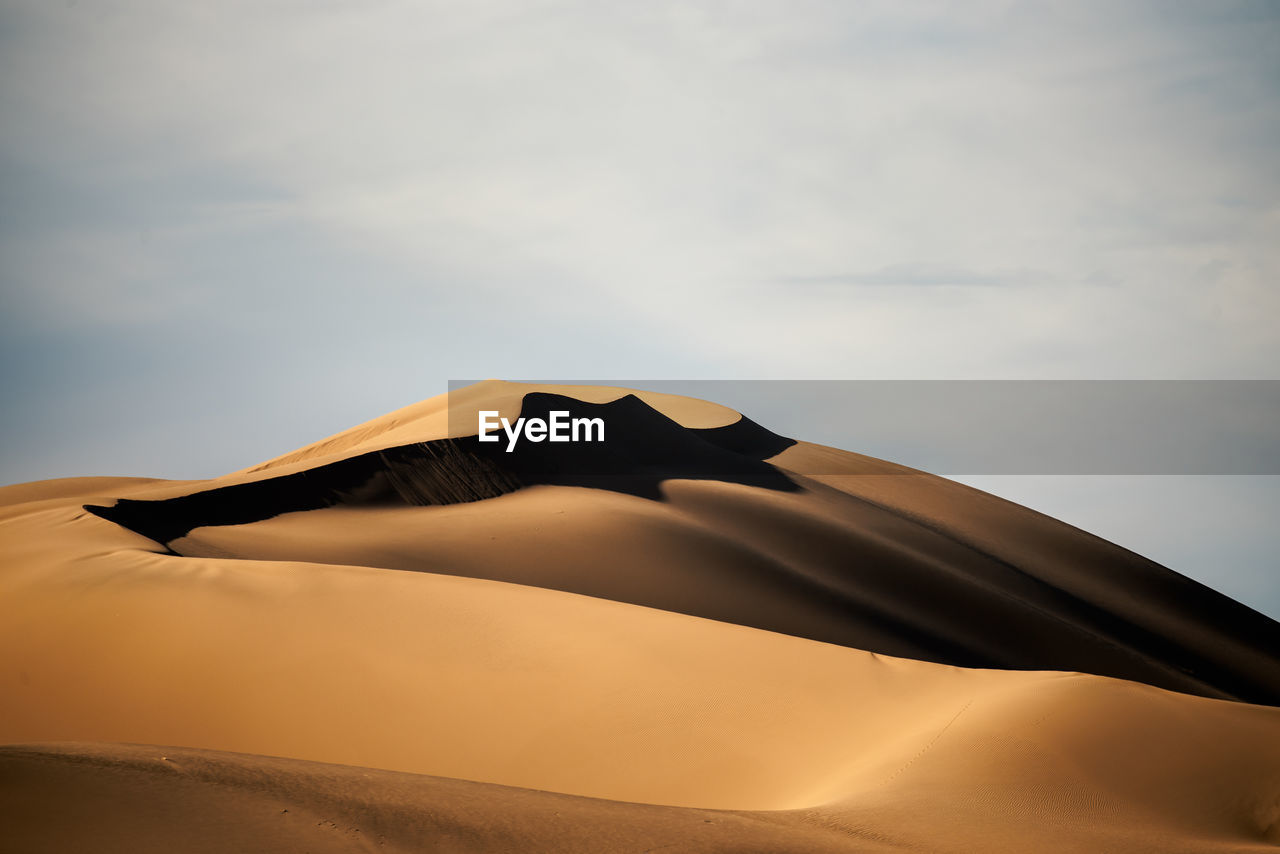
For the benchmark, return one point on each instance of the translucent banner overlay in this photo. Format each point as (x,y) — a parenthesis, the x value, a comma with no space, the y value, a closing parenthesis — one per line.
(996,427)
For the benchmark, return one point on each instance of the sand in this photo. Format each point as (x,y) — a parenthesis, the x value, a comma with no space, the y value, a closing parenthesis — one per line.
(560,668)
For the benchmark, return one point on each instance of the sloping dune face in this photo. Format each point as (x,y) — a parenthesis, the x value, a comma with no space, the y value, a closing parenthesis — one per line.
(695,633)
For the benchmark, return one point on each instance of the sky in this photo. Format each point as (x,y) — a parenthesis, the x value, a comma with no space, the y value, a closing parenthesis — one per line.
(229,229)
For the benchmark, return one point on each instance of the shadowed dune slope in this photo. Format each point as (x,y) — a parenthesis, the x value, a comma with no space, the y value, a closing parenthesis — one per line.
(815,542)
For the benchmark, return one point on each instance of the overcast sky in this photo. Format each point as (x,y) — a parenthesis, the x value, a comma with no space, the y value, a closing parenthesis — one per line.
(231,228)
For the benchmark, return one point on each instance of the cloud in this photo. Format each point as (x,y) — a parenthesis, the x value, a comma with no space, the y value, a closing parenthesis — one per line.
(915,275)
(680,180)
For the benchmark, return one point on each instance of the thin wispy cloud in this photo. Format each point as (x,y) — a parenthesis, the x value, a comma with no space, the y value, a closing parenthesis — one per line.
(908,275)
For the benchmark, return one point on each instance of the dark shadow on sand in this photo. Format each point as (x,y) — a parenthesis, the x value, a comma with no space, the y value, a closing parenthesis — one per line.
(641,448)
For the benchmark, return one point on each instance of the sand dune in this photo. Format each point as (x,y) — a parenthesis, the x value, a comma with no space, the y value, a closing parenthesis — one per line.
(679,642)
(821,544)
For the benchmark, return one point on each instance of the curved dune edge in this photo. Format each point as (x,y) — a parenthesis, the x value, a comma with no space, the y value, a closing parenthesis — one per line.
(128,798)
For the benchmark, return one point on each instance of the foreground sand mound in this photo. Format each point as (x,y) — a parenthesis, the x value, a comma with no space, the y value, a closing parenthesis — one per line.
(645,631)
(120,799)
(127,798)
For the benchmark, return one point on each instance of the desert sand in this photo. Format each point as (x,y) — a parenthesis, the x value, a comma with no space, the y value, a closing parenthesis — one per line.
(703,637)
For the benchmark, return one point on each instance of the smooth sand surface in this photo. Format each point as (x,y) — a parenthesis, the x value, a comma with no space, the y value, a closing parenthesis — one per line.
(588,670)
(178,799)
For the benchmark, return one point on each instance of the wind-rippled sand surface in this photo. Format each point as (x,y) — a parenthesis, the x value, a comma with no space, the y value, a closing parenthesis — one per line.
(704,638)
